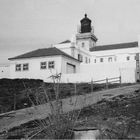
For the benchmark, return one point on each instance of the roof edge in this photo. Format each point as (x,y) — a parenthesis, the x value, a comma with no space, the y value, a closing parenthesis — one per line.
(115,46)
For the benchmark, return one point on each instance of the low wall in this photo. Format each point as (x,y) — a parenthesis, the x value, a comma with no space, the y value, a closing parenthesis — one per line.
(89,72)
(102,71)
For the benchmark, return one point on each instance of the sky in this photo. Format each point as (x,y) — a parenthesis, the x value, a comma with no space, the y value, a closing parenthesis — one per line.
(27,25)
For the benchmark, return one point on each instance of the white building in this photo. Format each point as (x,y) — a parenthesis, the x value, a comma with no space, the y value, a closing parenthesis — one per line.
(4,71)
(42,63)
(80,60)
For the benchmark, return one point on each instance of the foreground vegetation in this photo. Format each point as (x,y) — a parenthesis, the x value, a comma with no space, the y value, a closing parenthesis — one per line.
(14,95)
(116,118)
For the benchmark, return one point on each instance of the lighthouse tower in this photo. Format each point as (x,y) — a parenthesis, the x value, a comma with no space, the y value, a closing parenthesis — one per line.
(85,37)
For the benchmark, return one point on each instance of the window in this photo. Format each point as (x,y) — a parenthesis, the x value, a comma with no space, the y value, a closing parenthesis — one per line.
(80,57)
(18,67)
(86,60)
(94,60)
(137,64)
(25,67)
(83,44)
(110,59)
(128,58)
(51,65)
(135,57)
(101,59)
(43,65)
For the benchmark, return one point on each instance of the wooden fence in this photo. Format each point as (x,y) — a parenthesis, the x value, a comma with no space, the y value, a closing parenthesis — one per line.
(107,81)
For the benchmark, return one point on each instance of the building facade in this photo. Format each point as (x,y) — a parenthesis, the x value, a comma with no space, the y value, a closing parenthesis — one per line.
(42,63)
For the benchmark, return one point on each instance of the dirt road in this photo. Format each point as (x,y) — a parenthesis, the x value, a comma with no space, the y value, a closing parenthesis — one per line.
(15,118)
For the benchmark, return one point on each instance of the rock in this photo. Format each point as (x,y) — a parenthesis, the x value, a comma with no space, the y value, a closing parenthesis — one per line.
(86,133)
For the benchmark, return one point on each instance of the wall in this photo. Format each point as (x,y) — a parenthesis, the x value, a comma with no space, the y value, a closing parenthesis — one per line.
(116,51)
(4,71)
(120,54)
(84,54)
(34,68)
(86,43)
(84,72)
(87,38)
(78,49)
(96,72)
(65,47)
(66,60)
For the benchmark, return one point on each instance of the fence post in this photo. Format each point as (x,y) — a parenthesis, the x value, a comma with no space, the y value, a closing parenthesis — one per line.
(106,83)
(91,85)
(120,80)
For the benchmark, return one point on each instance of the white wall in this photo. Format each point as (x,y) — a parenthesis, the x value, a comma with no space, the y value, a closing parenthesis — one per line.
(116,51)
(85,38)
(66,60)
(119,54)
(4,71)
(35,72)
(83,53)
(86,43)
(128,75)
(102,71)
(66,47)
(34,68)
(84,72)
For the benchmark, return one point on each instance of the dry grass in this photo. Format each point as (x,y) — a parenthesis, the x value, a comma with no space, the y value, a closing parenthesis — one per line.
(57,125)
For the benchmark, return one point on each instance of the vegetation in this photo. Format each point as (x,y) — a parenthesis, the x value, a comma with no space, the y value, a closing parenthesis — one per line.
(13,92)
(116,118)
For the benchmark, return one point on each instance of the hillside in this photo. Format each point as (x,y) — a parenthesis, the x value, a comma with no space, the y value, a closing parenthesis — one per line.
(116,115)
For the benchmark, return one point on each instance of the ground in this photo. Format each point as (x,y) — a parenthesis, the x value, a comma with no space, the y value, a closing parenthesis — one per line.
(115,114)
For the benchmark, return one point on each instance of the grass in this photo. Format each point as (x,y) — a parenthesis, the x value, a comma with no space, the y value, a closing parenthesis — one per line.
(57,125)
(13,94)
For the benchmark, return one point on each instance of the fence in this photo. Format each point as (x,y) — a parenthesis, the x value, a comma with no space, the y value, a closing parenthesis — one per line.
(107,81)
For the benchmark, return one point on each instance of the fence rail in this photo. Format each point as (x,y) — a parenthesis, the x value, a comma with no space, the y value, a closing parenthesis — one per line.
(107,81)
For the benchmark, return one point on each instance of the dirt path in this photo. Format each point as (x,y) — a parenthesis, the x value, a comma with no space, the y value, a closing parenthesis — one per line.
(15,118)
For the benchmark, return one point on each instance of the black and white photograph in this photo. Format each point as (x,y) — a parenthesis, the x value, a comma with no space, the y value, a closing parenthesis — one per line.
(70,69)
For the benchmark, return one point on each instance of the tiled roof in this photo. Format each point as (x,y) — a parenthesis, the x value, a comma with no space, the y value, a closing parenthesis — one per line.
(42,52)
(115,46)
(66,41)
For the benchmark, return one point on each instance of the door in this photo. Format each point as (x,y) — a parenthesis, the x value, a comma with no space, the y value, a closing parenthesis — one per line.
(71,68)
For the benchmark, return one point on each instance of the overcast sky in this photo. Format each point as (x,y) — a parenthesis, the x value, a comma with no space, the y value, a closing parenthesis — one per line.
(31,24)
